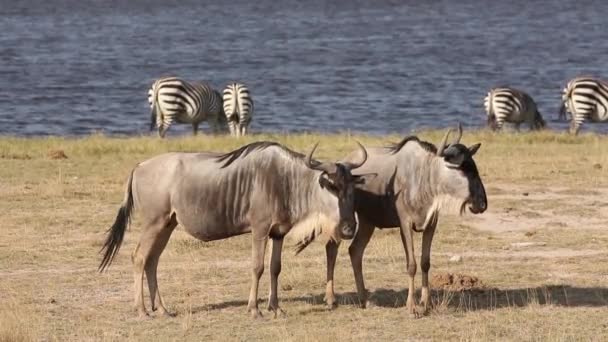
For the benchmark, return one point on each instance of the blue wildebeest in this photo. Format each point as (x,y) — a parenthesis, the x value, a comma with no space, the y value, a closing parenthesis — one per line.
(263,188)
(414,181)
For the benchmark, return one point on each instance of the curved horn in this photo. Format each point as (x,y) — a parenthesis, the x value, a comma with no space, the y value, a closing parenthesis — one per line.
(443,142)
(316,165)
(360,159)
(459,136)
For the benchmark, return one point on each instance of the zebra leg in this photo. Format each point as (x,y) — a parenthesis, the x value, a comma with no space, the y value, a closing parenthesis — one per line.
(195,128)
(574,126)
(162,130)
(232,128)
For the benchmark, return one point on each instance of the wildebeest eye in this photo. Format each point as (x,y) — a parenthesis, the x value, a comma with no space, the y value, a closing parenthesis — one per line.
(328,184)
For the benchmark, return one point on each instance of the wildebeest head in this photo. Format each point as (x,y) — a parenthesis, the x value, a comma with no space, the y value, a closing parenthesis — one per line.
(337,179)
(459,177)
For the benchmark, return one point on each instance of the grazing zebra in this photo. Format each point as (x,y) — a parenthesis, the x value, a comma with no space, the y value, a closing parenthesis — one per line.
(511,105)
(238,107)
(173,99)
(585,98)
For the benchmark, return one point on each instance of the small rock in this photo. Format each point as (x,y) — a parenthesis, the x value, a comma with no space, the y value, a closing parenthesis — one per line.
(526,193)
(597,166)
(286,287)
(52,301)
(455,258)
(530,233)
(527,244)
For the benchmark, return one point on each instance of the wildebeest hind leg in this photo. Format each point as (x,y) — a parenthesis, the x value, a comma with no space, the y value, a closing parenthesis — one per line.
(152,265)
(356,250)
(140,258)
(408,244)
(275,270)
(258,249)
(425,265)
(331,252)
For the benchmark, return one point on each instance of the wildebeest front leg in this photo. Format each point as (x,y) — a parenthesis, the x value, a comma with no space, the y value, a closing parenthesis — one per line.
(408,245)
(275,270)
(331,252)
(258,249)
(356,250)
(425,265)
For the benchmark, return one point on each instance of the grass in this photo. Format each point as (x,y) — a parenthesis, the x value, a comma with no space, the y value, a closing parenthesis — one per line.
(59,209)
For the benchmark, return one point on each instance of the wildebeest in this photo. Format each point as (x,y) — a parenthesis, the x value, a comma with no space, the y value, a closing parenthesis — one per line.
(263,188)
(414,181)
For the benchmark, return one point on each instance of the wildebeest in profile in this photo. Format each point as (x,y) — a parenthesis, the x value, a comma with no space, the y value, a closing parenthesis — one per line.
(414,182)
(263,188)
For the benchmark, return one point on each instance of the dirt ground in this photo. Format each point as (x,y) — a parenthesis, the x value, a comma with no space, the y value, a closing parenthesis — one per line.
(533,267)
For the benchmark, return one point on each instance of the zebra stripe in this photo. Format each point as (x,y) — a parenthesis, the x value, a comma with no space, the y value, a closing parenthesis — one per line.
(238,108)
(175,100)
(585,98)
(506,104)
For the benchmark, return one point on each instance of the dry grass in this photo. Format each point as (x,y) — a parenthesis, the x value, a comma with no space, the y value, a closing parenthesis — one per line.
(58,211)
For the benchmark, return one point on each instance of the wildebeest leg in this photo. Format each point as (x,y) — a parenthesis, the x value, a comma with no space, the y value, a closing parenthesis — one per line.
(275,270)
(331,252)
(140,258)
(258,248)
(152,265)
(356,249)
(425,265)
(408,244)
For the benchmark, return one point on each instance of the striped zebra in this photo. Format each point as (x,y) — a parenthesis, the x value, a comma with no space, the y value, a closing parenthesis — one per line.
(175,100)
(585,98)
(505,104)
(238,108)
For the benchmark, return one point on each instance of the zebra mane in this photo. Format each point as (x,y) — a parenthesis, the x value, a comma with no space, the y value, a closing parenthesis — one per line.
(396,147)
(229,157)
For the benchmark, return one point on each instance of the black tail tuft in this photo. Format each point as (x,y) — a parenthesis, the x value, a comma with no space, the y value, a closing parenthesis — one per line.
(117,232)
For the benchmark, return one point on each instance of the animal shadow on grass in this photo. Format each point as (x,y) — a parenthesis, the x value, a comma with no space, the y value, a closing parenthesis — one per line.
(493,298)
(467,300)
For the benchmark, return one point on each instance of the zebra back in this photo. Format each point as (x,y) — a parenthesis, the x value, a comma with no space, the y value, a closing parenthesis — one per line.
(586,98)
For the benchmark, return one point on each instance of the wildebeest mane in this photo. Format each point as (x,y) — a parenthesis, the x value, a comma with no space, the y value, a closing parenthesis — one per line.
(229,157)
(396,147)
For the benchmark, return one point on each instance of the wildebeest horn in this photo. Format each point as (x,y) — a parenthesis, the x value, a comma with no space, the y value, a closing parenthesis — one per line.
(457,139)
(443,142)
(360,160)
(316,165)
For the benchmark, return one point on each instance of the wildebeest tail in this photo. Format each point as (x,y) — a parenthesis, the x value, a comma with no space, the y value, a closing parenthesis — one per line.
(314,227)
(116,233)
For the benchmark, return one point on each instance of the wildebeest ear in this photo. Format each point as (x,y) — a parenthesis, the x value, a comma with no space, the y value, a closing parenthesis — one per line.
(473,149)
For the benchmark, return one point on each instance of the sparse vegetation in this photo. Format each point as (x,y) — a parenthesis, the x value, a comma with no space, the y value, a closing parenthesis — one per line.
(542,187)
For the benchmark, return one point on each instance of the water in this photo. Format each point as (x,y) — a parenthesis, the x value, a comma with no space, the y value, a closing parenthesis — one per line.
(72,67)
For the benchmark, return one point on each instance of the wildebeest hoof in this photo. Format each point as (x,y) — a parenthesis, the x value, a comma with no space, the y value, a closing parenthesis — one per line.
(143,315)
(256,313)
(167,314)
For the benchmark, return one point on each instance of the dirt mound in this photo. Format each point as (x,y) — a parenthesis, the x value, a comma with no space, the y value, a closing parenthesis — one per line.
(456,282)
(57,154)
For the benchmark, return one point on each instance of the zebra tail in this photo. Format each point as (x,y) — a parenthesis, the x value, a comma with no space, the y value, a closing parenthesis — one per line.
(562,108)
(491,116)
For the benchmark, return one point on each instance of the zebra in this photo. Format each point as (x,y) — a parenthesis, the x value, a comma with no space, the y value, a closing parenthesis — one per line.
(238,108)
(585,98)
(173,99)
(506,104)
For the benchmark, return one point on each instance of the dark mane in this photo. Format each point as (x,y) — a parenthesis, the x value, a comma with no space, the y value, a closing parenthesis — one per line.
(229,157)
(396,147)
